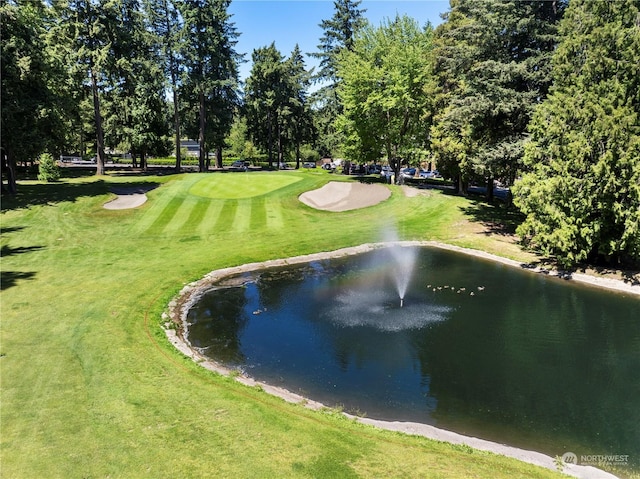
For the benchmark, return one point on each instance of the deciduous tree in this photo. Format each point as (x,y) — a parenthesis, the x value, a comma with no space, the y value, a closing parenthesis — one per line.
(32,84)
(384,90)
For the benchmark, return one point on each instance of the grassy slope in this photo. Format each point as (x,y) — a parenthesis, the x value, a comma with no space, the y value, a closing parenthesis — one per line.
(90,386)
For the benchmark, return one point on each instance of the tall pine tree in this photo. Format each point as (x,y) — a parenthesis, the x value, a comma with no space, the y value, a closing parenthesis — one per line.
(581,192)
(339,34)
(300,120)
(134,103)
(86,26)
(211,67)
(492,60)
(265,97)
(165,23)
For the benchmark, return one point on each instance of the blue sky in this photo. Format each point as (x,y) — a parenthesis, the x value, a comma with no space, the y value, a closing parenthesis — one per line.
(287,22)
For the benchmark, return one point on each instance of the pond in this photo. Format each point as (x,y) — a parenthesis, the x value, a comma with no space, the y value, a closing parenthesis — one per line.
(477,347)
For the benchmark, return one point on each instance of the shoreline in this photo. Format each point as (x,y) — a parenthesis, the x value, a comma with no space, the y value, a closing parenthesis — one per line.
(191,293)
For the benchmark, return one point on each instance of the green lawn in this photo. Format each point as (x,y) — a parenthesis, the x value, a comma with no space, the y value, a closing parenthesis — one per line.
(90,385)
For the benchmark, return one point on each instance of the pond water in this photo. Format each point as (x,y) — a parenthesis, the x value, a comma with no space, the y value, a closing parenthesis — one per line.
(478,347)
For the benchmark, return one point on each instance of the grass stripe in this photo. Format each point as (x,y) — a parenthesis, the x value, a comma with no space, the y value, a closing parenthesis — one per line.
(157,206)
(242,220)
(210,215)
(273,210)
(197,214)
(258,213)
(182,215)
(226,217)
(165,216)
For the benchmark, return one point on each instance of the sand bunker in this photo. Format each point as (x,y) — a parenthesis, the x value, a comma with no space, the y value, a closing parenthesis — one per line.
(341,196)
(128,198)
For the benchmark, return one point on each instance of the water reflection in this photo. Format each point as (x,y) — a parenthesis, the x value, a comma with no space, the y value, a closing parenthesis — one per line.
(479,348)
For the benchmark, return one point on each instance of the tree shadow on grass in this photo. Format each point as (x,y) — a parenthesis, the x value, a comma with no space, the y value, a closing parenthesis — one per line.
(497,218)
(51,193)
(9,251)
(500,219)
(9,279)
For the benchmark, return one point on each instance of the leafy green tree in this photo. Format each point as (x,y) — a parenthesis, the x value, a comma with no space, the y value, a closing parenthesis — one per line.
(32,84)
(581,189)
(211,71)
(384,90)
(492,60)
(339,33)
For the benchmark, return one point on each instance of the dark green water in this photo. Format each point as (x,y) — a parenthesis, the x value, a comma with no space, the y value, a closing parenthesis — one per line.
(527,360)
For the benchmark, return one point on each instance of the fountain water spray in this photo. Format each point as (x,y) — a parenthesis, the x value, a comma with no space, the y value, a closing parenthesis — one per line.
(403,261)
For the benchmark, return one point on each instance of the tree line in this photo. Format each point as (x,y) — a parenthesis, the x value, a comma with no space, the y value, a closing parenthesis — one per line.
(541,96)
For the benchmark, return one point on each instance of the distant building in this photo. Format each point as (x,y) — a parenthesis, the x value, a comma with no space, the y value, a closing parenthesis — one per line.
(192,147)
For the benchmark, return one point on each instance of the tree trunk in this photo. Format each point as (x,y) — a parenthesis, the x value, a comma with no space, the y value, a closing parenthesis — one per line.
(489,193)
(201,153)
(219,157)
(100,160)
(143,161)
(280,149)
(176,121)
(9,166)
(270,141)
(457,185)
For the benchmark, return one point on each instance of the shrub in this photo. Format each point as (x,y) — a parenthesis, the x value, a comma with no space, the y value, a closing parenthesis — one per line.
(48,169)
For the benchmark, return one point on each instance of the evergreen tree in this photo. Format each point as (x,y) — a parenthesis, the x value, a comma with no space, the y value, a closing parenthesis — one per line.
(581,191)
(211,71)
(300,118)
(492,61)
(84,27)
(265,94)
(339,34)
(165,23)
(384,91)
(134,103)
(276,102)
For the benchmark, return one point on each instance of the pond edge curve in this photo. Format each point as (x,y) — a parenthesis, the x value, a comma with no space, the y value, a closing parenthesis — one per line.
(175,329)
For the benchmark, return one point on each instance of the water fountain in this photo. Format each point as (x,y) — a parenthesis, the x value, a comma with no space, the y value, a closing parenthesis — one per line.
(403,261)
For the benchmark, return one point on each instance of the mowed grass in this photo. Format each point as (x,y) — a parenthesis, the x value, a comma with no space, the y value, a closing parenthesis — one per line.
(92,388)
(242,185)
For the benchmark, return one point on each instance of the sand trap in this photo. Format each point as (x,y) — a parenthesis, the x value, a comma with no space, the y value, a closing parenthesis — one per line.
(128,198)
(341,196)
(125,202)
